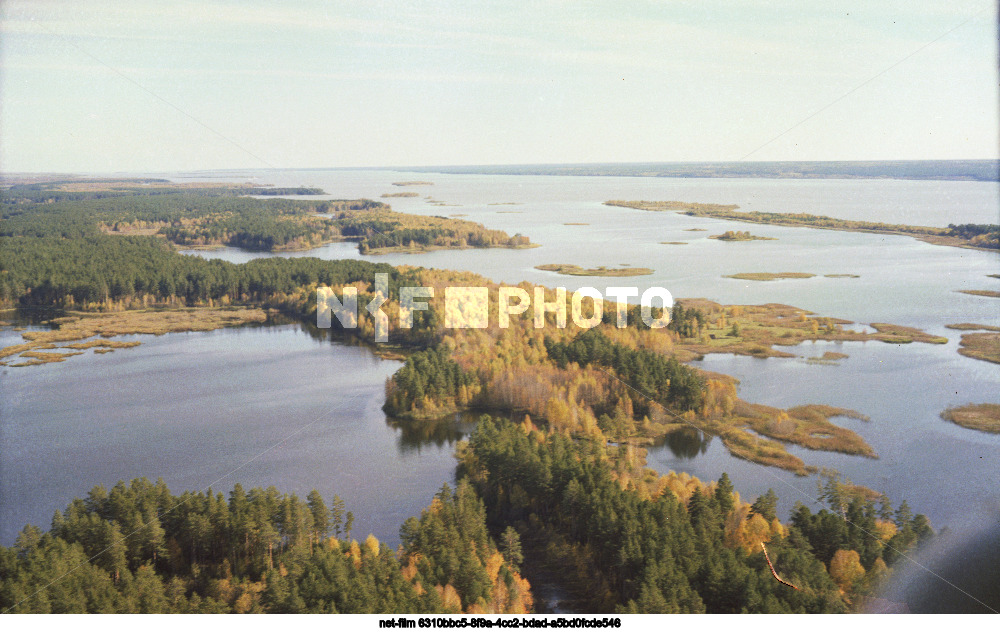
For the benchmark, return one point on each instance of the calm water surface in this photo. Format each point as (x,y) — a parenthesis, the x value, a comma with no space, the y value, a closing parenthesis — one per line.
(260,406)
(902,280)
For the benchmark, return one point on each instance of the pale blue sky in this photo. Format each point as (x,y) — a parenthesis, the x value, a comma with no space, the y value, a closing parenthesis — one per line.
(108,86)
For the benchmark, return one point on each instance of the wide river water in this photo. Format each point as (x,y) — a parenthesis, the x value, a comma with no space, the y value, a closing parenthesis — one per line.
(285,406)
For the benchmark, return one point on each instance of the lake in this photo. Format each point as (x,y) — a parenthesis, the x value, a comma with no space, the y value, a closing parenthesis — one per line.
(285,406)
(261,406)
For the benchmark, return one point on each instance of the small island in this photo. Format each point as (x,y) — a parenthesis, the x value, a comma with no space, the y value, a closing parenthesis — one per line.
(602,271)
(768,276)
(899,334)
(412,183)
(972,327)
(985,346)
(740,235)
(842,276)
(982,417)
(674,243)
(828,357)
(401,194)
(989,293)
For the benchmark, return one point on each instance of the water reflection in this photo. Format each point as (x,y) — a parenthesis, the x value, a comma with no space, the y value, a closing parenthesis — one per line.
(446,431)
(686,443)
(30,316)
(413,435)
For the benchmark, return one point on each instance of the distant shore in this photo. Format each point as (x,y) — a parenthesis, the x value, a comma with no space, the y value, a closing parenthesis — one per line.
(970,170)
(940,236)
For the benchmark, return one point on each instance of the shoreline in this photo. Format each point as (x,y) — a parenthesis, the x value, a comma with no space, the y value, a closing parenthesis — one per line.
(928,234)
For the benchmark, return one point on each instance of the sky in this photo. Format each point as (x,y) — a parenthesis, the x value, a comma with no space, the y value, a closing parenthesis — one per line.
(98,86)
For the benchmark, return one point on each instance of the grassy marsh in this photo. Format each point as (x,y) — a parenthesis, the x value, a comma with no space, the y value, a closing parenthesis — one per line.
(988,293)
(972,327)
(982,417)
(756,330)
(83,325)
(601,271)
(768,276)
(981,346)
(740,235)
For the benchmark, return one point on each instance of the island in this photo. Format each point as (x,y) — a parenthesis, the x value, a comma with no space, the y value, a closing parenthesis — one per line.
(602,271)
(987,293)
(412,183)
(972,327)
(401,194)
(768,276)
(828,357)
(982,417)
(981,346)
(740,235)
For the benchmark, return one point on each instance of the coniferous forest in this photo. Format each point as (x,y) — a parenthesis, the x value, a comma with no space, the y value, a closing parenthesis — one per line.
(525,499)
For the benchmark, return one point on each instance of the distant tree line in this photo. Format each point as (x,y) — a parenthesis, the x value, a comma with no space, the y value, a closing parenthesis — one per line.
(98,270)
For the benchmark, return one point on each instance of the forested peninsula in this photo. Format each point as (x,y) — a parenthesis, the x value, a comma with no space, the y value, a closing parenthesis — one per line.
(205,216)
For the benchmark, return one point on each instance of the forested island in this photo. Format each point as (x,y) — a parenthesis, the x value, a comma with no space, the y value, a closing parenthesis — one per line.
(557,481)
(978,236)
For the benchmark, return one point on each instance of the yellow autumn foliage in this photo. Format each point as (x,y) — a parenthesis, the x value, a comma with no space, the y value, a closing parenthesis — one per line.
(885,529)
(846,569)
(354,552)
